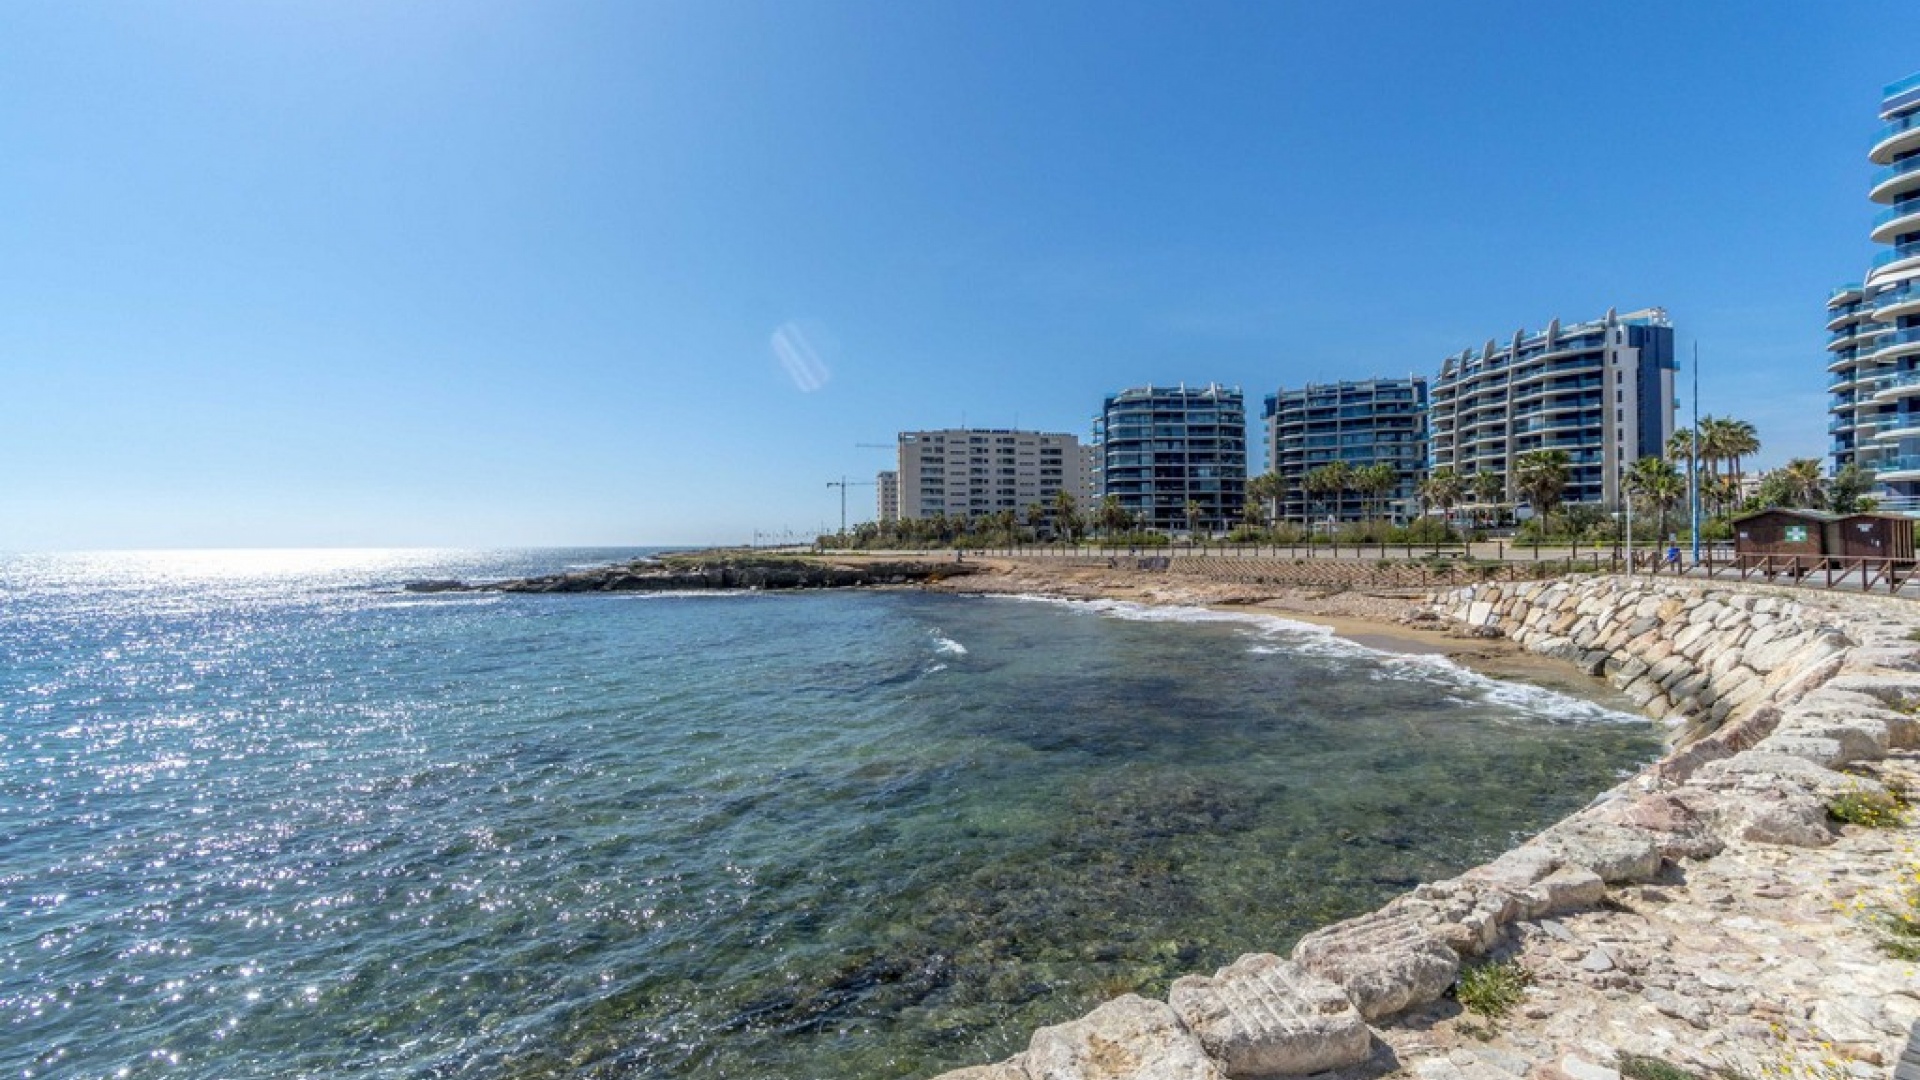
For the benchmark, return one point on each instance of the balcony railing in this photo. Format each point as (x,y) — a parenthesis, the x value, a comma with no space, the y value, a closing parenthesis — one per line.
(1894,382)
(1894,339)
(1896,212)
(1899,294)
(1896,170)
(1896,126)
(1904,251)
(1901,463)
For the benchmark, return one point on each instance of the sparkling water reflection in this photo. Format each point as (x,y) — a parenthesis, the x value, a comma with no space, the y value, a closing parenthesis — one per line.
(265,814)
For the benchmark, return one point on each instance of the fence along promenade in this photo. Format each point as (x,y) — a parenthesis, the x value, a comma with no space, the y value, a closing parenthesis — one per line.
(1417,566)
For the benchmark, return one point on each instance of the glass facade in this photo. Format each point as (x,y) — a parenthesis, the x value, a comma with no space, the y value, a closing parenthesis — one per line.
(1873,341)
(1370,422)
(1161,448)
(1600,391)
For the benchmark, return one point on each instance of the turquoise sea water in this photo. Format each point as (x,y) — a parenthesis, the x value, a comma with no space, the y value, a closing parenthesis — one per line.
(264,814)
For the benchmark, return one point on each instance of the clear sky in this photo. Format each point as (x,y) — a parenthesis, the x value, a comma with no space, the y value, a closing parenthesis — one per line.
(475,274)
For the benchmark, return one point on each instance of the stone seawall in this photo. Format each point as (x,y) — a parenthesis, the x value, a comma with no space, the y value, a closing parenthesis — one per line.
(1670,901)
(1709,658)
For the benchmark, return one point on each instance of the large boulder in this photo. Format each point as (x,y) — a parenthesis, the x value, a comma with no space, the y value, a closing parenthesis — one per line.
(1385,961)
(1617,853)
(1264,1016)
(1128,1038)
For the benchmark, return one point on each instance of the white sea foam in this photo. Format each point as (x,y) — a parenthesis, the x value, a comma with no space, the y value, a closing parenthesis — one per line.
(1277,635)
(946,646)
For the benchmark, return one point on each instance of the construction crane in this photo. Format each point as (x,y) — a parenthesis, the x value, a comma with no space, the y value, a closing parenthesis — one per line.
(843,484)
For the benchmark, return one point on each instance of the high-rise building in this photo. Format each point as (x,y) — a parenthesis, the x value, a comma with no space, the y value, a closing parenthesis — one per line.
(1373,422)
(1875,324)
(1602,391)
(974,472)
(886,486)
(1163,448)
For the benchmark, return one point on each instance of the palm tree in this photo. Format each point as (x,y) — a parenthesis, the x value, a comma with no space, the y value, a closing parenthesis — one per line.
(1541,476)
(1738,439)
(1443,489)
(1112,517)
(1266,488)
(1193,511)
(1330,480)
(1066,512)
(1376,480)
(1798,483)
(1659,484)
(1489,488)
(1036,518)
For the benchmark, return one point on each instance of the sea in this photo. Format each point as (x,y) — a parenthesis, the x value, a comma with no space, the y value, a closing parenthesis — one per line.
(267,814)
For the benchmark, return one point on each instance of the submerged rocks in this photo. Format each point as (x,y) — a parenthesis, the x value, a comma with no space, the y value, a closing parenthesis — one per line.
(1695,913)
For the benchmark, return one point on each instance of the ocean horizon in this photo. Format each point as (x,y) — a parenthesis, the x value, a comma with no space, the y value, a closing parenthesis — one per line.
(267,813)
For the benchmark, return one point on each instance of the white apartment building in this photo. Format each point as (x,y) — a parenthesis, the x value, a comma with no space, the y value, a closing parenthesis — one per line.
(973,472)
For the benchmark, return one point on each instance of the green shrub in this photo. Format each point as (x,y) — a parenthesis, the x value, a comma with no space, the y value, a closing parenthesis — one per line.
(1873,809)
(1492,989)
(1647,1067)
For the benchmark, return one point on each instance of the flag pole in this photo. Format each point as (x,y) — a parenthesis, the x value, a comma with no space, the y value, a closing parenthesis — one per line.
(1693,470)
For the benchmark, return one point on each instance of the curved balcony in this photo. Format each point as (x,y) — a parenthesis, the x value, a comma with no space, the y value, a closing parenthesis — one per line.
(1897,220)
(1845,380)
(1838,317)
(1895,180)
(1851,290)
(1845,362)
(1895,344)
(1855,336)
(1902,257)
(1902,467)
(1897,137)
(1902,299)
(1895,434)
(1894,387)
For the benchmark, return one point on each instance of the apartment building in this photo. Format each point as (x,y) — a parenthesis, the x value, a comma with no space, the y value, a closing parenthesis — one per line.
(1602,391)
(1163,448)
(1874,324)
(1363,423)
(973,472)
(886,486)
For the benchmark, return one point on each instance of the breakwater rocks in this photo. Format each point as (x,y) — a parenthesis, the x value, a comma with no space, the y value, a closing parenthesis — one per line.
(1709,912)
(686,573)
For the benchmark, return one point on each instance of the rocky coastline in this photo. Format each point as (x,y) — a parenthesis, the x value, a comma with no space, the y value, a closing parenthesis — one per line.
(707,571)
(1708,914)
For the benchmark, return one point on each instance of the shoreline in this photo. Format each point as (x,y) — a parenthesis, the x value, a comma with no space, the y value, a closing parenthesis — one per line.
(1706,914)
(1377,620)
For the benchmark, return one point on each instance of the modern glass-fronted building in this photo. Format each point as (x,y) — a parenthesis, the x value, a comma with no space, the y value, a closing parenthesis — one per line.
(1874,325)
(1160,448)
(1602,391)
(1370,422)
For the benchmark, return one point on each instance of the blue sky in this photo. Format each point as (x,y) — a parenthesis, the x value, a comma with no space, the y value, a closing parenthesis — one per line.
(373,274)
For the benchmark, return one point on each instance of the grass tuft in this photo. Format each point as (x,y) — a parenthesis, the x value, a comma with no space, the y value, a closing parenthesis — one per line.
(1647,1067)
(1492,989)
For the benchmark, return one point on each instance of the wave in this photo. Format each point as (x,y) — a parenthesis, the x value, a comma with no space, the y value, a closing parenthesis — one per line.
(1280,636)
(946,646)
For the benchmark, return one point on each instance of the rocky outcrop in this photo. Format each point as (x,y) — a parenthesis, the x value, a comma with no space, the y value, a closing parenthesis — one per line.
(1769,696)
(684,574)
